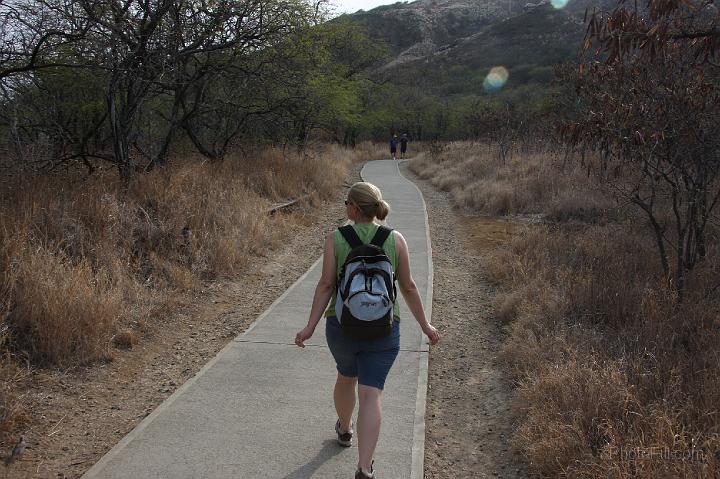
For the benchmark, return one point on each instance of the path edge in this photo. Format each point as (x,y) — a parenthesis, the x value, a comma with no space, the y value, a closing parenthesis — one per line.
(130,436)
(417,465)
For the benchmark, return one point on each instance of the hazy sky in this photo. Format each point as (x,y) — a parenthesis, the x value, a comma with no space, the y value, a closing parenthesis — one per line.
(351,6)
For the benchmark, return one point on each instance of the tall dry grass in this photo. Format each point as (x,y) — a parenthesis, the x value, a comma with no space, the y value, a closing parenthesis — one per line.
(615,378)
(84,265)
(536,182)
(370,151)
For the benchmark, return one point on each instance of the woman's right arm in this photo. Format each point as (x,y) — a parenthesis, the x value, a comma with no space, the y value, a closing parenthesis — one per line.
(323,292)
(409,289)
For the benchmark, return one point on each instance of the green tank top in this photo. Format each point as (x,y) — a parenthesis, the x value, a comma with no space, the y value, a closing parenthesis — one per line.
(365,232)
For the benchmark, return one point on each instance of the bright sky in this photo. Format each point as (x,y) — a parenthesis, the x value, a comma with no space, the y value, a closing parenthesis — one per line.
(352,6)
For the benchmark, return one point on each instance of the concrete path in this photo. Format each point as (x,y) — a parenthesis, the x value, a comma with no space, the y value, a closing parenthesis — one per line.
(263,408)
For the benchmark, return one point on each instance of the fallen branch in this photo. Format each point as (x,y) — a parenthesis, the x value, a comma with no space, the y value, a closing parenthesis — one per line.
(55,431)
(286,204)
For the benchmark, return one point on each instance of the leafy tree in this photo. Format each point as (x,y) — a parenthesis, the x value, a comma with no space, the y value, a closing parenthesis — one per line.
(155,59)
(316,79)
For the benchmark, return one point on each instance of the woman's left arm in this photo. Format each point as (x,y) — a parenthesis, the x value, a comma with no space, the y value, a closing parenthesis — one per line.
(323,291)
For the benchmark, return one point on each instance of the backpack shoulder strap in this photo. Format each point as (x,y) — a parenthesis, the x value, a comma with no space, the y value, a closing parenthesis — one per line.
(381,235)
(350,236)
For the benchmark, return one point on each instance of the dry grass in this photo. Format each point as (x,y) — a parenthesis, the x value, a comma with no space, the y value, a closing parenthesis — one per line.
(13,414)
(538,182)
(370,151)
(84,265)
(616,379)
(61,310)
(609,365)
(125,339)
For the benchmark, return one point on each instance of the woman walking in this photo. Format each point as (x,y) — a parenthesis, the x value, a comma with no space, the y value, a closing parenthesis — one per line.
(365,362)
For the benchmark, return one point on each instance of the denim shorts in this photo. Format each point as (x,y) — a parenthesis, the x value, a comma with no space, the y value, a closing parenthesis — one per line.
(369,360)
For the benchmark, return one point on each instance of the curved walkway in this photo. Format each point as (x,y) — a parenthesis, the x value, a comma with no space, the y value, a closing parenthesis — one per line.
(263,409)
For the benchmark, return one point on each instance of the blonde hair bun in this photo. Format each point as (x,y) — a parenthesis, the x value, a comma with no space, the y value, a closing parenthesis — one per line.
(369,199)
(383,210)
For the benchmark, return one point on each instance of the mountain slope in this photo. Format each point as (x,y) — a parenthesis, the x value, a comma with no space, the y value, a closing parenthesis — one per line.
(405,26)
(435,75)
(431,34)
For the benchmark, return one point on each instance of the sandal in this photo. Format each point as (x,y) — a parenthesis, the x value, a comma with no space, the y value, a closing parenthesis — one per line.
(360,474)
(343,438)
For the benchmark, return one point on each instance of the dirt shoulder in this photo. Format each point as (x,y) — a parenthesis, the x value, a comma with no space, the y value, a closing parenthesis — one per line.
(79,415)
(468,420)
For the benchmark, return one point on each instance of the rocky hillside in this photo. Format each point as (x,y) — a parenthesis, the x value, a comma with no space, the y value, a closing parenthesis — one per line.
(476,34)
(413,30)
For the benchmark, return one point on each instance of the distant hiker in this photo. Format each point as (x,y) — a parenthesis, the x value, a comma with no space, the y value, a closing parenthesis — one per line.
(393,146)
(363,250)
(403,144)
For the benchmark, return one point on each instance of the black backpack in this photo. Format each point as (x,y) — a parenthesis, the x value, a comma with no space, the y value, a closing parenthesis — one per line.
(366,290)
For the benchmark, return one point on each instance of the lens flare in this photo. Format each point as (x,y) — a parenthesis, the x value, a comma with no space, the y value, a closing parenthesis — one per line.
(559,3)
(496,79)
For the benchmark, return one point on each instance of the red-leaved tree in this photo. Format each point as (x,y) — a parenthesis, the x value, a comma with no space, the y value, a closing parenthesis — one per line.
(648,97)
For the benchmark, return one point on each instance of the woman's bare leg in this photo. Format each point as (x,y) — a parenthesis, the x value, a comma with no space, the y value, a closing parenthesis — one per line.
(368,424)
(345,399)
